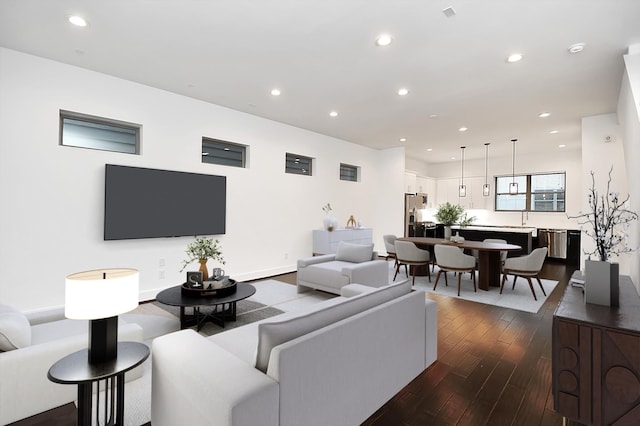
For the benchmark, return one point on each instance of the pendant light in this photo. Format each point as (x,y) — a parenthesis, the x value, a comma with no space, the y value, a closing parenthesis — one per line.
(513,186)
(462,189)
(486,188)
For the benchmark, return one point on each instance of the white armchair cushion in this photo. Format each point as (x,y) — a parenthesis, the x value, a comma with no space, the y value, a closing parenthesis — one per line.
(15,330)
(531,262)
(274,333)
(356,253)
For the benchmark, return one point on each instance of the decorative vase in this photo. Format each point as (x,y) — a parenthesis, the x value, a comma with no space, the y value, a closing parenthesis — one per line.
(329,223)
(447,232)
(203,269)
(601,283)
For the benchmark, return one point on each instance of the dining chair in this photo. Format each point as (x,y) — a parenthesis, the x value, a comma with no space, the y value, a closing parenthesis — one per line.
(527,266)
(407,253)
(452,259)
(390,247)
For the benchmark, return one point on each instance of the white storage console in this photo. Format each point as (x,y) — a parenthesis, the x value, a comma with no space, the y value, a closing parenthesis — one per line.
(325,242)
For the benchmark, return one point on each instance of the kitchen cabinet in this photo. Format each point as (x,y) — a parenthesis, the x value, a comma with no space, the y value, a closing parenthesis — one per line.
(596,358)
(447,191)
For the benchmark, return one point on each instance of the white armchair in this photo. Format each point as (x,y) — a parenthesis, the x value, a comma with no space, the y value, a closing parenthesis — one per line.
(525,266)
(352,263)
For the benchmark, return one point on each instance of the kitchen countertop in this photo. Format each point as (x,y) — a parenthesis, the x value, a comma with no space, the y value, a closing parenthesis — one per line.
(521,229)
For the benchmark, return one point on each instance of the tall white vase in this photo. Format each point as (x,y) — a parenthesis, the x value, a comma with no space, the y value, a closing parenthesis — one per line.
(329,223)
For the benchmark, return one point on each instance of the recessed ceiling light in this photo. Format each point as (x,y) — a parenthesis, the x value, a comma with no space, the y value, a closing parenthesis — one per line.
(544,114)
(433,116)
(333,113)
(515,57)
(403,139)
(561,145)
(576,48)
(403,91)
(275,92)
(383,40)
(78,21)
(463,129)
(429,149)
(553,132)
(453,158)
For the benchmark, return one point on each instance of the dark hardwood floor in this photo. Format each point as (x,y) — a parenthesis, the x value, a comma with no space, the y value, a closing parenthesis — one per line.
(493,368)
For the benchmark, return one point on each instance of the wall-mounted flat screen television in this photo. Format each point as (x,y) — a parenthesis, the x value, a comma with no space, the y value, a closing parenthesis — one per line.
(149,203)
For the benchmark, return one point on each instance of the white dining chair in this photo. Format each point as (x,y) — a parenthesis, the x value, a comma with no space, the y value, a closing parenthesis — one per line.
(408,254)
(452,259)
(525,266)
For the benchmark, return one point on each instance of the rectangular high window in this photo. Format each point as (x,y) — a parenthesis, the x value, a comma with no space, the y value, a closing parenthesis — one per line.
(215,151)
(298,164)
(541,192)
(349,172)
(88,131)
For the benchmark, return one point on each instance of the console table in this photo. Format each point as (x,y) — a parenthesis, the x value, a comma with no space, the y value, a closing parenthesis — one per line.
(326,242)
(596,358)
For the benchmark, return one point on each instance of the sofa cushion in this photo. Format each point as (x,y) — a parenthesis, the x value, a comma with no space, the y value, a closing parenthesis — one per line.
(15,330)
(274,333)
(356,253)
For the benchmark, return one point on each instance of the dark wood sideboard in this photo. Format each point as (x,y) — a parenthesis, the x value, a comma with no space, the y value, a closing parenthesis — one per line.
(596,358)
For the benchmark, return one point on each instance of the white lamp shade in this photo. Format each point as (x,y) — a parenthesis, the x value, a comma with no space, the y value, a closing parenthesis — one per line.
(101,293)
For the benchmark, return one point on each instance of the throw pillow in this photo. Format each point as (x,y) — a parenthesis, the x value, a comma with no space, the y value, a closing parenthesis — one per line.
(15,330)
(356,253)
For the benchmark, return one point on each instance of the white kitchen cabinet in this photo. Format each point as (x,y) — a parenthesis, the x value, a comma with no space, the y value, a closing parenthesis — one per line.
(326,242)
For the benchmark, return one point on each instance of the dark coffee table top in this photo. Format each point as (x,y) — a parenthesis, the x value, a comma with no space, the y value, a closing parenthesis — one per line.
(173,296)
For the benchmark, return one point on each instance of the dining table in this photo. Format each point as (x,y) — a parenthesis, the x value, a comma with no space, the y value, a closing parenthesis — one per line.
(489,263)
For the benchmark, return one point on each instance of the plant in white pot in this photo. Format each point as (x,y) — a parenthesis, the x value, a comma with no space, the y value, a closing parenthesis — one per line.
(203,249)
(448,214)
(606,223)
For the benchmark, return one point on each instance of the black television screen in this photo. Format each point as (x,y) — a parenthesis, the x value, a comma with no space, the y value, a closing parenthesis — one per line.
(148,203)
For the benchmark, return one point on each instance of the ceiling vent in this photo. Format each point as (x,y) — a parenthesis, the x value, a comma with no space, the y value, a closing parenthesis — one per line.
(449,12)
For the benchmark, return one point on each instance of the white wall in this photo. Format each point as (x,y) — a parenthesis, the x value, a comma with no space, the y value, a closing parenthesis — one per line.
(52,197)
(599,156)
(629,118)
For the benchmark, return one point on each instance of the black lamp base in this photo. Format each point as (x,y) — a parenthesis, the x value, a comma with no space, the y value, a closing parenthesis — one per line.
(103,340)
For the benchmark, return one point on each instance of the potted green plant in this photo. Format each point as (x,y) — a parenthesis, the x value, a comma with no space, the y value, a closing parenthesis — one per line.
(203,249)
(448,214)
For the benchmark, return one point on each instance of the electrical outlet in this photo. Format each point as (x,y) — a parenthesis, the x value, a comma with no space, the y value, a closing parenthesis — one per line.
(286,256)
(161,262)
(161,275)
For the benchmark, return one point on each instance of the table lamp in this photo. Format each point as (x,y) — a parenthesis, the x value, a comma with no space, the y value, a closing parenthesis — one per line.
(100,296)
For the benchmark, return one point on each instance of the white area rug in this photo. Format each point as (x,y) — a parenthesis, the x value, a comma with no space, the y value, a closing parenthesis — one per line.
(520,298)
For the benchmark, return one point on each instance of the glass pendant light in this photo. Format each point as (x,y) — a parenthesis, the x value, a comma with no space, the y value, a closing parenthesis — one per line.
(513,186)
(462,189)
(486,188)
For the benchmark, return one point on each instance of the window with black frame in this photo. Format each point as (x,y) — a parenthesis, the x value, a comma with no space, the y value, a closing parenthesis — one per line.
(215,151)
(298,164)
(349,172)
(540,192)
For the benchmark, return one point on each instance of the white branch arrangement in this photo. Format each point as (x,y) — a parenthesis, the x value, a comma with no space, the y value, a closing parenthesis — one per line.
(608,214)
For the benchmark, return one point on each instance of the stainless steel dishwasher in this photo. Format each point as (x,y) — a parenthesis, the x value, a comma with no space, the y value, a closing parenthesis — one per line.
(555,240)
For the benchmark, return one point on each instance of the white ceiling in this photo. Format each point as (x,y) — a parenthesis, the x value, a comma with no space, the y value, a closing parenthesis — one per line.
(321,55)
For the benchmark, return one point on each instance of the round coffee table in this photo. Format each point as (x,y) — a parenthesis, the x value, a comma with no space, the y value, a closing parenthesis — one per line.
(223,308)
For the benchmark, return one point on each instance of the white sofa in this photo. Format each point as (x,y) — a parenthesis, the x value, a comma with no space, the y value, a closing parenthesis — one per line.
(352,263)
(40,340)
(334,363)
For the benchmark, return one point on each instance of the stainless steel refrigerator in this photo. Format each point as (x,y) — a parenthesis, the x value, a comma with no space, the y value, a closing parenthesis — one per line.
(415,220)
